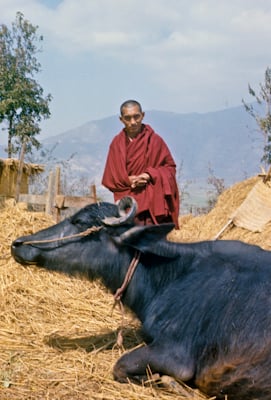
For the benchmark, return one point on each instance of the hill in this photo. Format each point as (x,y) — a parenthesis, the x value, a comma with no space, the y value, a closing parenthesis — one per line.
(224,140)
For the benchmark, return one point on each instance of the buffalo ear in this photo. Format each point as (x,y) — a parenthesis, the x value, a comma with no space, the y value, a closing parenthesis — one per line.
(145,237)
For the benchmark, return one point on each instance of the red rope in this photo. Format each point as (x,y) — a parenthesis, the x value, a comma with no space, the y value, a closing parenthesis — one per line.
(120,290)
(128,276)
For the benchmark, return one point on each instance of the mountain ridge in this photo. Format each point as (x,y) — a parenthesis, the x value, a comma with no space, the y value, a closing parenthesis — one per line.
(223,140)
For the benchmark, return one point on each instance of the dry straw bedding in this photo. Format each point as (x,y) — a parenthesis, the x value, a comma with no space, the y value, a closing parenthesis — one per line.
(58,334)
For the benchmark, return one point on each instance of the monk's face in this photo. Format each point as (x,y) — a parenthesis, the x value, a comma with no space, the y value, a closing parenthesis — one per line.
(132,118)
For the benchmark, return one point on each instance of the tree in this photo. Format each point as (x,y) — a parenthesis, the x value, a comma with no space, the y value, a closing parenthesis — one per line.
(218,187)
(22,105)
(263,121)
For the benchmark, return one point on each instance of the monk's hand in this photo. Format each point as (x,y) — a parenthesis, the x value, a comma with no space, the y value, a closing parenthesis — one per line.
(139,180)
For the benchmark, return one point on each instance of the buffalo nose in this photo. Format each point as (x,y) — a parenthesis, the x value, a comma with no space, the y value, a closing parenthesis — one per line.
(17,243)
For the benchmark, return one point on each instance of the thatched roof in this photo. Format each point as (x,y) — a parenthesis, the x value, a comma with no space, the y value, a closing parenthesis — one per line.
(13,164)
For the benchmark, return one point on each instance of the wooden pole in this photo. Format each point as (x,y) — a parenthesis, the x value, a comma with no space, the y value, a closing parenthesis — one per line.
(50,194)
(223,229)
(20,172)
(57,192)
(93,193)
(267,176)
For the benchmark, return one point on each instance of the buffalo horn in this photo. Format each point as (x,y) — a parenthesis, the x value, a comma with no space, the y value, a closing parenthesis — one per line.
(127,208)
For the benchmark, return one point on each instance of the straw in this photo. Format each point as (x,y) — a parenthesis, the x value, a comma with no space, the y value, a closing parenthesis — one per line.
(58,334)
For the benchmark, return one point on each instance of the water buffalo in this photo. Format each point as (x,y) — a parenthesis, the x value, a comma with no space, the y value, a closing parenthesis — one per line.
(205,307)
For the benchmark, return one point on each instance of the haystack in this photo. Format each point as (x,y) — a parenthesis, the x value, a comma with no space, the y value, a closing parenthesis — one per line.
(206,227)
(58,334)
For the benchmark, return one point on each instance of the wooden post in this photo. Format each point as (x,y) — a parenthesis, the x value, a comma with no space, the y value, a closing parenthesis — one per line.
(93,192)
(20,173)
(57,210)
(50,194)
(267,176)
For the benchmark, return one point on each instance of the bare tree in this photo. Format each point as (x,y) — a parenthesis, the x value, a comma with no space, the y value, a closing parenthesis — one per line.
(263,120)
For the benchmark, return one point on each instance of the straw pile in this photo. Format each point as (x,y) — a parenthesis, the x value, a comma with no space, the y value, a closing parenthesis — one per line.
(205,227)
(58,334)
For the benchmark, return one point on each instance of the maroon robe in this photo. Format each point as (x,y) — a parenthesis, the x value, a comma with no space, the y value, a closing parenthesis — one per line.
(146,153)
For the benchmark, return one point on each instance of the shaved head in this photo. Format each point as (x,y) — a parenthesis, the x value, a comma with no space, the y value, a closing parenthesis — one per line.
(130,103)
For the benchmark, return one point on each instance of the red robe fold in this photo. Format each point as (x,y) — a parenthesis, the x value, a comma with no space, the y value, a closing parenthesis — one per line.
(146,153)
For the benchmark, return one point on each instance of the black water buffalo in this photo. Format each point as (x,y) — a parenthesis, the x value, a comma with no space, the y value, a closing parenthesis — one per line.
(205,307)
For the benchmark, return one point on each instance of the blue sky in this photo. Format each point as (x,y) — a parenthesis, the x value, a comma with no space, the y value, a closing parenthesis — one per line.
(172,55)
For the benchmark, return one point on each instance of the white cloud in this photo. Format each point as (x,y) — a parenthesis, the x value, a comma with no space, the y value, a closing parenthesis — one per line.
(197,54)
(83,25)
(255,21)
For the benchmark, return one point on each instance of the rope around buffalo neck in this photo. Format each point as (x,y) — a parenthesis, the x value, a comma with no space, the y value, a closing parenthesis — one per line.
(85,233)
(120,291)
(128,276)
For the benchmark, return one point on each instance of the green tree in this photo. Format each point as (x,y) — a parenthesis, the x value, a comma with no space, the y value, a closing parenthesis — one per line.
(263,118)
(22,104)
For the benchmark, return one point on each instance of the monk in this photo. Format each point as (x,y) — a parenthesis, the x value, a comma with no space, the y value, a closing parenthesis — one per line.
(139,164)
